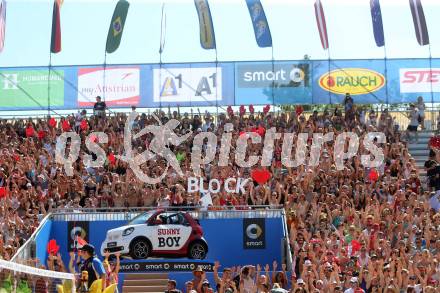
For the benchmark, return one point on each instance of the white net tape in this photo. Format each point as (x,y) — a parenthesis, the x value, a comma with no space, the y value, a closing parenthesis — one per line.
(17,278)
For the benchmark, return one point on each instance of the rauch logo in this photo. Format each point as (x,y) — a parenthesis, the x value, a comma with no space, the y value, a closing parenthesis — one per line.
(356,81)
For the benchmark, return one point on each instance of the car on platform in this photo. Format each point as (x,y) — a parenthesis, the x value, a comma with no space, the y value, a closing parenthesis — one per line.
(158,233)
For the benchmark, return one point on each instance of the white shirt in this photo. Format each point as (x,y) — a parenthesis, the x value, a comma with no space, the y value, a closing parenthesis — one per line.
(414,118)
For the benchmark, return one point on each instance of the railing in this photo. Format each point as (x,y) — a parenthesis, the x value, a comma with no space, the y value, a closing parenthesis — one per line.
(27,251)
(126,214)
(399,114)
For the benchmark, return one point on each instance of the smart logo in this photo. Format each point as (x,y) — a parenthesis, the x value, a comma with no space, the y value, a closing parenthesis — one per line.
(254,236)
(253,231)
(281,75)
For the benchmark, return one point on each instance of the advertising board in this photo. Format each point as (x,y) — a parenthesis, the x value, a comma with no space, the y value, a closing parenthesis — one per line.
(278,83)
(118,86)
(28,89)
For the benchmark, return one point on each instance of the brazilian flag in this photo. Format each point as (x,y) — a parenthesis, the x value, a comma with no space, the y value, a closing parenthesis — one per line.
(117,26)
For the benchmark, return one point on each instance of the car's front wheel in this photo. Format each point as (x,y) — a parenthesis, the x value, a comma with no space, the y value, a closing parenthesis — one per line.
(198,250)
(140,249)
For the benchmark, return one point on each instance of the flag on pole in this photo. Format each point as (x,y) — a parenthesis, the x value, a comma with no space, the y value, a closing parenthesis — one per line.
(55,43)
(2,24)
(117,26)
(260,24)
(419,22)
(376,16)
(207,36)
(163,28)
(322,27)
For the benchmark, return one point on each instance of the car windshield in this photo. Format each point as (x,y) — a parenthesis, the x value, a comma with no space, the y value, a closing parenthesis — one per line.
(142,218)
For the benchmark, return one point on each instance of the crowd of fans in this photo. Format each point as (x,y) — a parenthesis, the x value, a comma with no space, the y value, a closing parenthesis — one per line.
(355,229)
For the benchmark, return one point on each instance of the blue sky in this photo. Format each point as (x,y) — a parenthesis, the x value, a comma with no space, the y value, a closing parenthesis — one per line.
(292,22)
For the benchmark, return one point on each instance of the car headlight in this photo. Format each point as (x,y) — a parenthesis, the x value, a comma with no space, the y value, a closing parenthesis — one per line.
(128,231)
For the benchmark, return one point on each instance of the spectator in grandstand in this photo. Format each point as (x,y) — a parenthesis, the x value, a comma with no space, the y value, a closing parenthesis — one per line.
(79,117)
(225,282)
(199,278)
(99,107)
(356,222)
(111,268)
(413,116)
(189,287)
(421,109)
(172,287)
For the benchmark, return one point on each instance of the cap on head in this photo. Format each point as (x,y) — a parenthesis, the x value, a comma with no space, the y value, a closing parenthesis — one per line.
(88,248)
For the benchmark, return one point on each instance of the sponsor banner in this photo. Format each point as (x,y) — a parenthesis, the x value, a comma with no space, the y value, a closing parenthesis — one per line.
(365,80)
(75,230)
(117,86)
(356,81)
(419,80)
(254,233)
(29,88)
(164,266)
(183,85)
(410,78)
(278,83)
(225,245)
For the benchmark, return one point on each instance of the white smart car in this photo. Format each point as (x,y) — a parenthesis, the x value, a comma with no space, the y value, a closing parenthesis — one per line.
(158,233)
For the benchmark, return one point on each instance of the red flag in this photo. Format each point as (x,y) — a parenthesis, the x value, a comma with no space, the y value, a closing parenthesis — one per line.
(299,110)
(3,192)
(111,158)
(322,27)
(2,24)
(374,175)
(55,44)
(52,122)
(29,131)
(355,246)
(52,247)
(242,110)
(66,125)
(266,109)
(41,134)
(80,242)
(83,124)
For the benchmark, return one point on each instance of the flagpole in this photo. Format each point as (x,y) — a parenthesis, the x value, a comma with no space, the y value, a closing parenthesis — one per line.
(48,83)
(273,80)
(103,76)
(386,74)
(430,74)
(329,76)
(216,83)
(160,54)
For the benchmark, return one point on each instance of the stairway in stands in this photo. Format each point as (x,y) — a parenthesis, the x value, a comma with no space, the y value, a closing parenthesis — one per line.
(419,151)
(148,282)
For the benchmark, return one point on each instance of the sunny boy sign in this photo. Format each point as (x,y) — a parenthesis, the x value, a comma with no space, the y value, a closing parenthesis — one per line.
(356,81)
